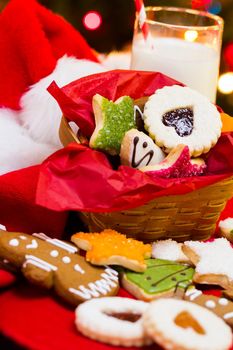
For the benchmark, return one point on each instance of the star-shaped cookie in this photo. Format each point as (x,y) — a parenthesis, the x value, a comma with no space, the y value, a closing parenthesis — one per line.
(110,247)
(213,261)
(112,120)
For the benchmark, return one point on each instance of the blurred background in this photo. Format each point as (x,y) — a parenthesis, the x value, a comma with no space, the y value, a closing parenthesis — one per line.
(107,25)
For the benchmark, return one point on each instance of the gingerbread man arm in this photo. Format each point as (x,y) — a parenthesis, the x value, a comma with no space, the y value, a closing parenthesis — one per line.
(38,272)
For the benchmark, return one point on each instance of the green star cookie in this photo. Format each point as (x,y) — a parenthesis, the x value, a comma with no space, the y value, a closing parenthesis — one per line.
(161,278)
(112,120)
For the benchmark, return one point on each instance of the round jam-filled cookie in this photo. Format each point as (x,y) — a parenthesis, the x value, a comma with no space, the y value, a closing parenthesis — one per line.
(112,120)
(176,114)
(138,150)
(115,320)
(51,263)
(181,325)
(161,278)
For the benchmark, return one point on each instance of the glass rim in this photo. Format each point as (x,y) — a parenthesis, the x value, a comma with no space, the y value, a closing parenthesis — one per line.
(217,19)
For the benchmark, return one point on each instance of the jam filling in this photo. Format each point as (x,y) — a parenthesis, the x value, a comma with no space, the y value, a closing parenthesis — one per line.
(181,119)
(186,320)
(125,316)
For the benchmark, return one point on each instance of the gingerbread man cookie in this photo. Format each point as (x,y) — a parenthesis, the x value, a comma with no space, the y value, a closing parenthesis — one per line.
(52,263)
(213,261)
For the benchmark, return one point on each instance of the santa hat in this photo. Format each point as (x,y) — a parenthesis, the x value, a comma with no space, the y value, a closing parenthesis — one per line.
(36,47)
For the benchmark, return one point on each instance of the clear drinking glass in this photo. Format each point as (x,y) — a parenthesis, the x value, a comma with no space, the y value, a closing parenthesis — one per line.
(186,46)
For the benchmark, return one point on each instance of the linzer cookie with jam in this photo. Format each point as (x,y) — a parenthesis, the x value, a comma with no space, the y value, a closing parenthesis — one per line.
(51,263)
(179,115)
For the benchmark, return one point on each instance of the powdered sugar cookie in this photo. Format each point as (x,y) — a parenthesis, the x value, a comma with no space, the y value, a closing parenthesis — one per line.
(116,321)
(222,307)
(213,261)
(226,228)
(176,114)
(113,248)
(169,250)
(178,324)
(138,150)
(161,278)
(51,263)
(112,120)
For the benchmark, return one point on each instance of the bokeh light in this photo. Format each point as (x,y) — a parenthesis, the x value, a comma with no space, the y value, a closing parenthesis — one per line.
(92,20)
(225,83)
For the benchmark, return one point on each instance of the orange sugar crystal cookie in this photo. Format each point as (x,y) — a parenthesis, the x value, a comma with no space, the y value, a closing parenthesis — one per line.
(110,247)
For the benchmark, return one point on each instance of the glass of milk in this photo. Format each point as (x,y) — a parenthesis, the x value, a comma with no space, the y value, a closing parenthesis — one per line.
(184,44)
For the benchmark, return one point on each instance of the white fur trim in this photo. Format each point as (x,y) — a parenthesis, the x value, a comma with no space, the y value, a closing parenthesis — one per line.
(40,113)
(17,149)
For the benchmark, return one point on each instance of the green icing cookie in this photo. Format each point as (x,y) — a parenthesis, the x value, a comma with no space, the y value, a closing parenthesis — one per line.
(112,120)
(161,276)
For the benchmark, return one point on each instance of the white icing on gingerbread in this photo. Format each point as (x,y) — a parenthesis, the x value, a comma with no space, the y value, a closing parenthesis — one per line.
(23,238)
(193,293)
(223,301)
(35,261)
(5,261)
(54,253)
(33,245)
(78,268)
(228,315)
(14,242)
(66,259)
(102,286)
(70,248)
(210,304)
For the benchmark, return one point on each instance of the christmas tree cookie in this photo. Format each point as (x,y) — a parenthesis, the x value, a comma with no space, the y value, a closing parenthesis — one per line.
(161,279)
(112,120)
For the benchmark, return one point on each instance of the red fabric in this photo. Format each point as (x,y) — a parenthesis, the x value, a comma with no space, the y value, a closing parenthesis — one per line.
(6,279)
(18,210)
(79,178)
(32,39)
(75,99)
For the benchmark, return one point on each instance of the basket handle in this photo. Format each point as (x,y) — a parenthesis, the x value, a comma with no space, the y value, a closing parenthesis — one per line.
(66,133)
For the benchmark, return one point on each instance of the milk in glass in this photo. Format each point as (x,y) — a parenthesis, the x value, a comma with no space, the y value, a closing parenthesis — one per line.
(194,64)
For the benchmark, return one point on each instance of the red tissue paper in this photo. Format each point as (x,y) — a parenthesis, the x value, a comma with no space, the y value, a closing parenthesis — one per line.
(79,178)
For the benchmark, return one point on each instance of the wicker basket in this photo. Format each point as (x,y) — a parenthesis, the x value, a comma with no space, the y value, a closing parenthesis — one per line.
(189,216)
(182,217)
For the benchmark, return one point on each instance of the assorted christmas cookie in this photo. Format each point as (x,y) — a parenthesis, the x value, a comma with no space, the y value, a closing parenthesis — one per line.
(222,307)
(181,325)
(112,248)
(213,261)
(52,263)
(116,321)
(176,114)
(138,150)
(226,228)
(169,250)
(161,278)
(112,120)
(177,164)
